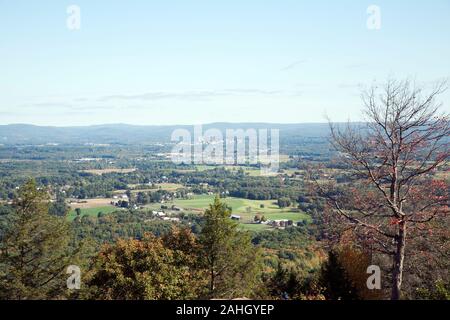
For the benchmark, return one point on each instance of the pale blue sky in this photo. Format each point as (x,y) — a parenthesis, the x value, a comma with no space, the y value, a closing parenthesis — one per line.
(198,61)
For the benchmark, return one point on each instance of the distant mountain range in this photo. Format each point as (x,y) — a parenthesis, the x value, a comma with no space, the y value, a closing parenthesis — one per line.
(132,134)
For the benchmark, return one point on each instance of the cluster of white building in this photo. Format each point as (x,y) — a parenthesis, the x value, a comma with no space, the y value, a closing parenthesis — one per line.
(163,216)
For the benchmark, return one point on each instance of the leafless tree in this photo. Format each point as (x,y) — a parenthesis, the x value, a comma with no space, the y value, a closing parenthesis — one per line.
(394,154)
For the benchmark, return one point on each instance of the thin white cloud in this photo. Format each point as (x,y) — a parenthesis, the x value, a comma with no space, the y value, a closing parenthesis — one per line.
(292,65)
(189,95)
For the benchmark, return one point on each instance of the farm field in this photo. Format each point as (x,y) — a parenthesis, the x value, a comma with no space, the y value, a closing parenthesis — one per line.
(246,208)
(90,203)
(256,227)
(169,186)
(161,186)
(201,168)
(251,171)
(91,207)
(93,212)
(99,172)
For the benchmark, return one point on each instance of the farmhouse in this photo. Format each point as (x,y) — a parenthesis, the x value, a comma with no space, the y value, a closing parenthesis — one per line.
(279,223)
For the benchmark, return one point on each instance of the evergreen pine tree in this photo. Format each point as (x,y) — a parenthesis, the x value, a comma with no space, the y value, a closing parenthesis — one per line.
(34,249)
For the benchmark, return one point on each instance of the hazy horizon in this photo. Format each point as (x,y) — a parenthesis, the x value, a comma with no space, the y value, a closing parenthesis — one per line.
(180,124)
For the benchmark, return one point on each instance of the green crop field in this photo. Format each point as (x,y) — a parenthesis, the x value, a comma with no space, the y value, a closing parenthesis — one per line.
(246,208)
(93,212)
(254,226)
